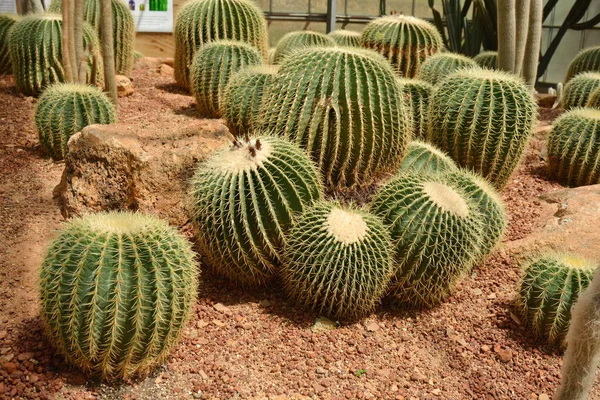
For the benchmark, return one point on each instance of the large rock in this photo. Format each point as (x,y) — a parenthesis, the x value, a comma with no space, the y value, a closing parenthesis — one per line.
(116,166)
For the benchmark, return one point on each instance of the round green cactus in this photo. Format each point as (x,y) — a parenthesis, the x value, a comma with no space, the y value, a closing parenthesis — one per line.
(415,94)
(202,21)
(6,22)
(405,41)
(243,201)
(346,38)
(338,261)
(297,40)
(574,147)
(577,91)
(440,65)
(244,95)
(65,109)
(487,59)
(344,107)
(212,69)
(587,60)
(116,291)
(550,285)
(483,119)
(36,52)
(422,157)
(594,100)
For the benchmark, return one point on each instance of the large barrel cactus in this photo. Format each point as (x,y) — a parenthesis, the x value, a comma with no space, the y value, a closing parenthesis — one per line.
(36,52)
(6,22)
(338,261)
(422,157)
(487,59)
(415,94)
(202,21)
(577,91)
(116,291)
(298,40)
(405,41)
(344,107)
(343,37)
(244,200)
(550,285)
(440,65)
(587,60)
(483,119)
(574,147)
(212,68)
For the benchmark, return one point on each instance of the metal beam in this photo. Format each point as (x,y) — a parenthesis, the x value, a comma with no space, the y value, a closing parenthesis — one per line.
(331,15)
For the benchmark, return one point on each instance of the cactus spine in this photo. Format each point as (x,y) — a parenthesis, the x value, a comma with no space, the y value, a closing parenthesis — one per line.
(587,60)
(416,94)
(577,91)
(346,38)
(116,291)
(487,59)
(202,21)
(440,65)
(6,22)
(422,157)
(298,40)
(243,201)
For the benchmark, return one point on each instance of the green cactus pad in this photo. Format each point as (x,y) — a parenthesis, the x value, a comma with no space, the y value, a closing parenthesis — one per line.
(483,119)
(116,291)
(338,261)
(587,60)
(405,41)
(65,109)
(574,147)
(243,201)
(422,157)
(577,91)
(346,38)
(202,21)
(6,22)
(298,40)
(343,106)
(440,65)
(415,94)
(487,59)
(550,285)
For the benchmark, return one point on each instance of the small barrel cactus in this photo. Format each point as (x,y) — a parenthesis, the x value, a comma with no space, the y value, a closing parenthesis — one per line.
(415,94)
(202,21)
(65,109)
(487,136)
(587,60)
(243,201)
(440,65)
(343,106)
(116,291)
(338,261)
(212,68)
(36,52)
(574,147)
(550,285)
(577,91)
(422,157)
(345,37)
(487,59)
(594,100)
(6,22)
(298,40)
(405,41)
(244,95)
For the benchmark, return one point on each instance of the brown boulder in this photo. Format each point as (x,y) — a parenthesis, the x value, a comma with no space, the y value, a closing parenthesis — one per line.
(124,86)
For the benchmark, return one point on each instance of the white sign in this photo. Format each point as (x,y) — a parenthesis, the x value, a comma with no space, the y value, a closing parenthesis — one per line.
(8,6)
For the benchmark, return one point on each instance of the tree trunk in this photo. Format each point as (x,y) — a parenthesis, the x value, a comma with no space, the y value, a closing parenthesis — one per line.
(78,38)
(522,24)
(66,42)
(506,34)
(108,53)
(534,42)
(32,6)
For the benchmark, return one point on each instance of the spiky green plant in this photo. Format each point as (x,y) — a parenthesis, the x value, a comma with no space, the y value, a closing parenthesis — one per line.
(298,40)
(405,41)
(415,94)
(212,68)
(487,59)
(244,95)
(440,65)
(202,21)
(587,60)
(550,285)
(271,55)
(36,52)
(594,100)
(6,22)
(574,147)
(577,91)
(123,29)
(483,119)
(345,37)
(116,291)
(338,261)
(343,106)
(243,201)
(422,157)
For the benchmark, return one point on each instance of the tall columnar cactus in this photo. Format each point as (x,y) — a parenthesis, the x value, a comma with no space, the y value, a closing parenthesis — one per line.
(243,201)
(212,68)
(574,147)
(36,52)
(483,119)
(338,261)
(116,291)
(415,94)
(202,21)
(550,285)
(6,22)
(64,109)
(123,29)
(244,95)
(405,41)
(487,59)
(344,107)
(440,65)
(298,40)
(422,157)
(577,91)
(345,37)
(587,60)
